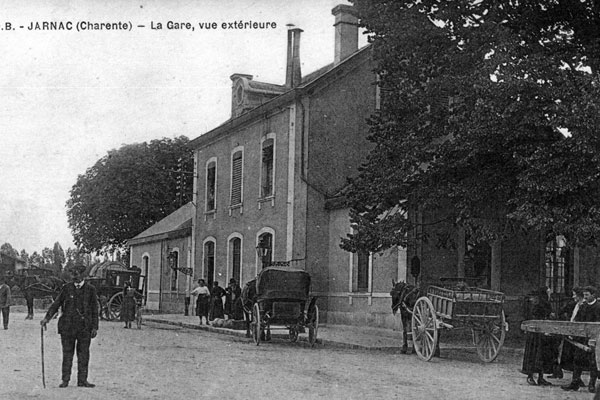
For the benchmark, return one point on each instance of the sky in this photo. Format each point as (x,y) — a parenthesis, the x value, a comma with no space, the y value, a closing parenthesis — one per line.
(69,96)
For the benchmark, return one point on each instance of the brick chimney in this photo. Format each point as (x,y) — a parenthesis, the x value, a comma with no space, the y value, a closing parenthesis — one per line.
(346,32)
(293,74)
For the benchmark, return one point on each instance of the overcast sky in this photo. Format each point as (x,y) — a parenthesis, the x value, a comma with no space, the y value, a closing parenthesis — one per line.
(68,97)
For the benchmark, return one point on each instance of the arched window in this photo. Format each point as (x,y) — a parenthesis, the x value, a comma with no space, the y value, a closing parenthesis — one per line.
(265,246)
(209,261)
(173,265)
(557,264)
(235,257)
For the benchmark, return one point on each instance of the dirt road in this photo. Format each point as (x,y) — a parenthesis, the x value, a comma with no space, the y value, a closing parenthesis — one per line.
(161,362)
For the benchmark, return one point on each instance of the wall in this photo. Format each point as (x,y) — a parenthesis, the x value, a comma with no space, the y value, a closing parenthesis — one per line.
(159,295)
(255,214)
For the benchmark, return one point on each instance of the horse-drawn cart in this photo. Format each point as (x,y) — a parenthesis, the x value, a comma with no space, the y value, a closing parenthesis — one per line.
(109,279)
(466,307)
(280,299)
(568,330)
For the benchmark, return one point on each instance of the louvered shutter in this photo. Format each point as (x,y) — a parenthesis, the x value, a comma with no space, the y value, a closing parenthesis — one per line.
(236,179)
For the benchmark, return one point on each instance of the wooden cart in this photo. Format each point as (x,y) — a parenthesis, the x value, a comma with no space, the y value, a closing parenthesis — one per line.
(480,310)
(566,329)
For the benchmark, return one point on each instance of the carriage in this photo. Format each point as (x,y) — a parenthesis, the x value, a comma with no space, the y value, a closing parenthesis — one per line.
(109,279)
(280,300)
(480,310)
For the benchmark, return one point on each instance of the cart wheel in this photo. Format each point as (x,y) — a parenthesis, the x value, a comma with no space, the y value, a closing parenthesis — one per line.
(490,338)
(313,326)
(115,304)
(255,324)
(293,335)
(424,328)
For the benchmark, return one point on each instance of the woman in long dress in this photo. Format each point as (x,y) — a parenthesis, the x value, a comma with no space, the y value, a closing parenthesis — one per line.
(128,307)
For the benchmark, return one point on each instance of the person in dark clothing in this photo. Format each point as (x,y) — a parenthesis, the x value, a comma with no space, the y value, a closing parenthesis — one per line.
(77,325)
(128,306)
(539,348)
(216,301)
(5,300)
(589,311)
(233,295)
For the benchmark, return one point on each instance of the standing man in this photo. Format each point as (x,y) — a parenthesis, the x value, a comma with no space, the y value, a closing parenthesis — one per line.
(5,301)
(589,311)
(77,325)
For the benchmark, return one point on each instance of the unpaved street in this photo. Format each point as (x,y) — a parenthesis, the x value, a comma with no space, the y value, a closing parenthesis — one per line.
(160,362)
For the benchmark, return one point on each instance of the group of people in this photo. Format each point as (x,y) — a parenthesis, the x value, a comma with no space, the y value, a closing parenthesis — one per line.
(551,355)
(210,306)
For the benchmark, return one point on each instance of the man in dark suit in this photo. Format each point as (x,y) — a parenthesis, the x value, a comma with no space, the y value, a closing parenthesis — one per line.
(582,360)
(77,325)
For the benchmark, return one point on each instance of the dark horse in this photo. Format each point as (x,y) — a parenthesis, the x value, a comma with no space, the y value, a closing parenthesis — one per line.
(36,287)
(248,300)
(404,297)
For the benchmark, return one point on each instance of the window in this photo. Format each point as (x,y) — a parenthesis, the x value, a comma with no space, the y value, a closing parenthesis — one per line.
(235,251)
(267,168)
(211,185)
(236,178)
(362,272)
(556,264)
(209,262)
(265,242)
(174,264)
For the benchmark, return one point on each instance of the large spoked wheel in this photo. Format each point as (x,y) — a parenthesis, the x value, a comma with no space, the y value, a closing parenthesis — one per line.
(313,325)
(255,324)
(490,338)
(115,305)
(424,328)
(293,334)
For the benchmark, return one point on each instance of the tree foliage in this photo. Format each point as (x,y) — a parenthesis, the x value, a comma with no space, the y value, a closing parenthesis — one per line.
(127,191)
(489,109)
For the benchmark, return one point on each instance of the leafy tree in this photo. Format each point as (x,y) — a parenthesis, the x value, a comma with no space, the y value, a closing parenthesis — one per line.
(24,256)
(36,260)
(7,248)
(58,257)
(490,110)
(127,191)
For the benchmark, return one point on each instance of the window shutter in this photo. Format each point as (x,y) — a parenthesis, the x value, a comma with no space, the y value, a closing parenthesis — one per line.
(236,179)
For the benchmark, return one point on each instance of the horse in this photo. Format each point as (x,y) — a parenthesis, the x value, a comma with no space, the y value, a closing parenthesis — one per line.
(37,287)
(248,300)
(404,296)
(249,297)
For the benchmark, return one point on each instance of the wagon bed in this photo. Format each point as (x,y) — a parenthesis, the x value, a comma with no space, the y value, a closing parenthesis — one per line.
(588,330)
(477,309)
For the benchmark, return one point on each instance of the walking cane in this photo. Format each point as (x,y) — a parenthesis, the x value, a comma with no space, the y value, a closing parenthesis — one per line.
(43,373)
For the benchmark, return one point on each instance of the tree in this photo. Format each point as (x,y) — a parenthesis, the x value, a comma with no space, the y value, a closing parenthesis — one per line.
(490,110)
(24,256)
(58,258)
(7,248)
(127,191)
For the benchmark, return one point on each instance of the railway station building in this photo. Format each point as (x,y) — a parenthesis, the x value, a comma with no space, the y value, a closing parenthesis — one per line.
(268,191)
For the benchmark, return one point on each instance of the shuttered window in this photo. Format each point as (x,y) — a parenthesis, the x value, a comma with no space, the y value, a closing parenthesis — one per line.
(211,183)
(362,276)
(236,178)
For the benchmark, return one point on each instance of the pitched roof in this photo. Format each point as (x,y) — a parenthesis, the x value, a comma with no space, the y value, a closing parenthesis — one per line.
(309,83)
(178,223)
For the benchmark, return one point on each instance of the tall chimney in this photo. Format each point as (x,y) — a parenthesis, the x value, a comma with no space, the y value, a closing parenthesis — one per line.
(293,74)
(346,32)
